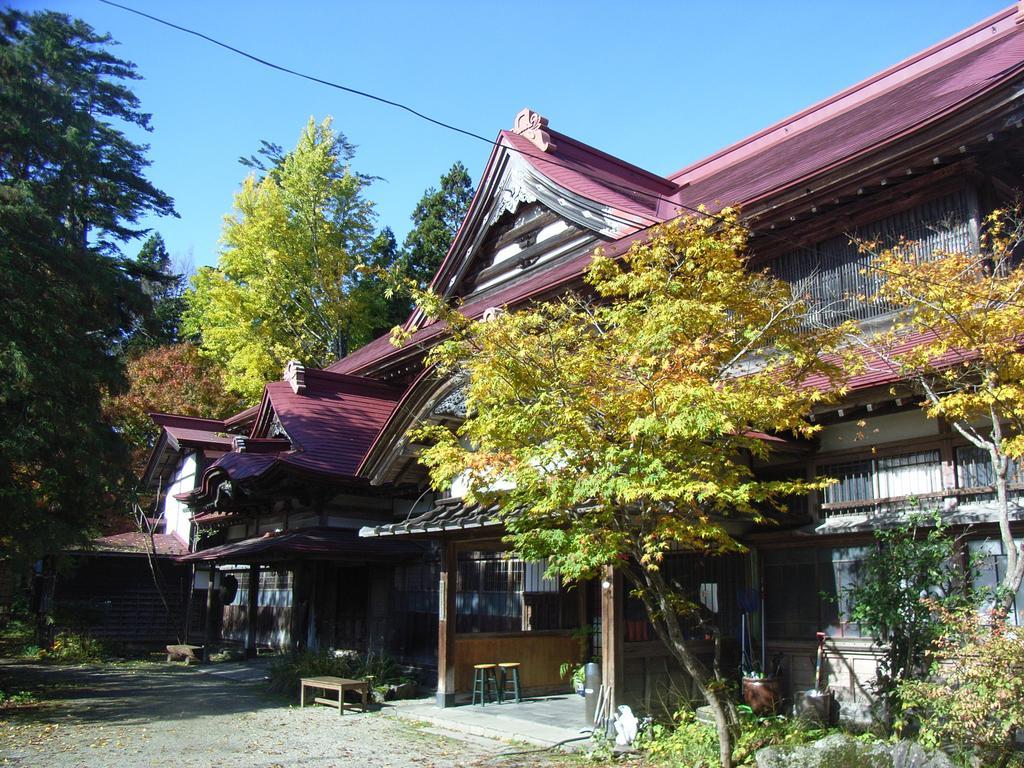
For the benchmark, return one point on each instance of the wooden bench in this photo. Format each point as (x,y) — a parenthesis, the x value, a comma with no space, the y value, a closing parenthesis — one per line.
(190,654)
(339,684)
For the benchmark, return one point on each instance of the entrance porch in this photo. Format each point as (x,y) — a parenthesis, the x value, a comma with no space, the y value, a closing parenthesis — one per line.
(541,720)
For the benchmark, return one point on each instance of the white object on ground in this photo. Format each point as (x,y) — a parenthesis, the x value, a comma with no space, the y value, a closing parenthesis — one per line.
(626,726)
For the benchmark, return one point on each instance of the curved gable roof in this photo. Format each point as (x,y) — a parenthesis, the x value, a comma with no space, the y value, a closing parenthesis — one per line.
(899,103)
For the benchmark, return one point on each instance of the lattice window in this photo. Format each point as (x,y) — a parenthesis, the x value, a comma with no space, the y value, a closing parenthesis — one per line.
(902,476)
(989,568)
(500,593)
(836,280)
(974,468)
(805,591)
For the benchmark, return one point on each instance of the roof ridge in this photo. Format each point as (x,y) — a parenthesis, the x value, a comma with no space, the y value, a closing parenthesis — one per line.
(624,164)
(334,377)
(754,143)
(163,419)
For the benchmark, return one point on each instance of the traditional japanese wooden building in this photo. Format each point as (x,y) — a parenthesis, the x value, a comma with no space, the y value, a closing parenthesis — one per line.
(924,150)
(272,504)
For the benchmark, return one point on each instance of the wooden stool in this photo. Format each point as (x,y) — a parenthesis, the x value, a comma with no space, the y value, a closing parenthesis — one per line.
(509,673)
(484,674)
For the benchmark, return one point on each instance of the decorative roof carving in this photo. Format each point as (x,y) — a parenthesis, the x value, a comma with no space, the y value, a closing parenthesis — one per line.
(277,429)
(444,515)
(452,404)
(295,374)
(515,191)
(533,126)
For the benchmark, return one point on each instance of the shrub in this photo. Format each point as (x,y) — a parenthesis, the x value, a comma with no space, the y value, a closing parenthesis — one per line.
(17,699)
(908,562)
(69,648)
(973,700)
(382,671)
(15,636)
(687,742)
(694,744)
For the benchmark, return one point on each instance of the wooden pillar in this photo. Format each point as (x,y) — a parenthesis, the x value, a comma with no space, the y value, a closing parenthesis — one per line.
(448,583)
(612,635)
(313,614)
(212,622)
(252,614)
(297,628)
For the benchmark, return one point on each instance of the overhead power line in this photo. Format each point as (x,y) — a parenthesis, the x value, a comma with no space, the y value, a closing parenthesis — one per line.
(624,189)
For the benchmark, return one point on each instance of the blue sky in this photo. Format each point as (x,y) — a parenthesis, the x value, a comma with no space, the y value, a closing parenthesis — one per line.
(660,84)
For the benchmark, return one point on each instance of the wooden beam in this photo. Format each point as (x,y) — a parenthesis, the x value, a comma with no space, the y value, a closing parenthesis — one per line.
(447,585)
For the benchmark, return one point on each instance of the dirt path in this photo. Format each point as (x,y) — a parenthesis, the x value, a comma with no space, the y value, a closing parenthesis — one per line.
(153,715)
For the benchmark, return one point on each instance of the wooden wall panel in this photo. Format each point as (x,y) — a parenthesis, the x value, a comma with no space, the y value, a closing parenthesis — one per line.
(540,656)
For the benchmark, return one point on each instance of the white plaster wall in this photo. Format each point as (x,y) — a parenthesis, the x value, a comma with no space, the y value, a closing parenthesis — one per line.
(875,430)
(177,517)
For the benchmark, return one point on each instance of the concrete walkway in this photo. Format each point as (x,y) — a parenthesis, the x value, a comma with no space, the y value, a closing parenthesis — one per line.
(544,721)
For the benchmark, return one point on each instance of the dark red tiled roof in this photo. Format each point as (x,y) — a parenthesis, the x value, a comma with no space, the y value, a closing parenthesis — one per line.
(307,543)
(138,543)
(895,103)
(874,370)
(242,418)
(595,175)
(869,121)
(331,421)
(194,432)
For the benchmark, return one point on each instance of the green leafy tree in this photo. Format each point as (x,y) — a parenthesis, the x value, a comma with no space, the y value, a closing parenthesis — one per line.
(972,703)
(166,291)
(172,378)
(436,219)
(908,562)
(293,278)
(615,429)
(965,309)
(72,190)
(390,307)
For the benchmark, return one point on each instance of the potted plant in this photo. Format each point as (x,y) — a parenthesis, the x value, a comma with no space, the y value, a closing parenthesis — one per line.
(577,673)
(762,690)
(575,670)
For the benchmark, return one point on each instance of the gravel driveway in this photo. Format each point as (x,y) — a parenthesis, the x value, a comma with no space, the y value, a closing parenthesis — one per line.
(155,715)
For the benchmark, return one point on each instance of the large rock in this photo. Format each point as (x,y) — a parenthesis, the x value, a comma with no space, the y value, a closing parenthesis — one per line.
(841,751)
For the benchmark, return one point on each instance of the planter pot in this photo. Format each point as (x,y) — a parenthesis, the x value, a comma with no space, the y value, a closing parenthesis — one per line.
(815,706)
(762,694)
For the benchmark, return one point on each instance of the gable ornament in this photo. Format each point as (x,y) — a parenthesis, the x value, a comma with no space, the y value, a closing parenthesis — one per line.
(515,191)
(533,127)
(295,374)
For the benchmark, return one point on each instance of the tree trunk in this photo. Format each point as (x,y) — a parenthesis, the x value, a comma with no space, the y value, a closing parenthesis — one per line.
(1014,562)
(658,602)
(44,585)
